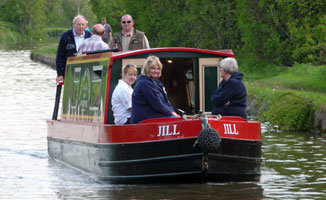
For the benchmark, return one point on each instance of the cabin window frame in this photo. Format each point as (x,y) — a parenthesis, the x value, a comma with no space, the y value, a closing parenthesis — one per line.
(206,63)
(76,88)
(139,62)
(96,81)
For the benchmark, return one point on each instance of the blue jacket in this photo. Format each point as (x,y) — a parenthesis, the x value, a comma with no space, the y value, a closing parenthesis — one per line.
(149,100)
(66,48)
(233,91)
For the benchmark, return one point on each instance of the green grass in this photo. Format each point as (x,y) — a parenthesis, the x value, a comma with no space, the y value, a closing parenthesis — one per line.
(264,92)
(55,31)
(50,50)
(302,77)
(287,96)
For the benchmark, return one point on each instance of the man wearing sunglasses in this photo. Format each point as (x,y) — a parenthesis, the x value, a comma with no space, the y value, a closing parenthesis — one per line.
(129,38)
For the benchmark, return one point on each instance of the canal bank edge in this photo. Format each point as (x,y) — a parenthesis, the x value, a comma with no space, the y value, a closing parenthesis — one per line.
(255,106)
(48,60)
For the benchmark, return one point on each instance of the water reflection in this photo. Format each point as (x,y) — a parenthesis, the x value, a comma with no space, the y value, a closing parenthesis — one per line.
(294,163)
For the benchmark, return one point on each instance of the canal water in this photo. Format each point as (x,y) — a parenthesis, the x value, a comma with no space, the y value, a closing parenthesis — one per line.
(294,165)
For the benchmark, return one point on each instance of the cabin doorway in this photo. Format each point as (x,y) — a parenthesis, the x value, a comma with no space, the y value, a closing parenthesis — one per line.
(178,80)
(209,79)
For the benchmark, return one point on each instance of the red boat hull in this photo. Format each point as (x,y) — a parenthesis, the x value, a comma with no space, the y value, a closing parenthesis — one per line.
(144,153)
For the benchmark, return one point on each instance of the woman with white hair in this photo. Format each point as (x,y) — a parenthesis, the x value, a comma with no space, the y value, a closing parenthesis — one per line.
(230,98)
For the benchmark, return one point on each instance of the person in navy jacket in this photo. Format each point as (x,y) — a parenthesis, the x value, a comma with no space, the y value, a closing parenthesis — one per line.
(149,99)
(230,98)
(69,43)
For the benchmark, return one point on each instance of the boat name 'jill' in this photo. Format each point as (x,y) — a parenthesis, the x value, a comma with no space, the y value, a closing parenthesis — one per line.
(228,130)
(165,130)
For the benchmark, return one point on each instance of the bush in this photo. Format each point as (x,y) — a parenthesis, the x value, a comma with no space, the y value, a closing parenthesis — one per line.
(290,111)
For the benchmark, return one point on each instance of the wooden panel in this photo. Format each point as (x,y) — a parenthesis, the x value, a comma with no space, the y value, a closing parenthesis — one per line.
(205,62)
(138,62)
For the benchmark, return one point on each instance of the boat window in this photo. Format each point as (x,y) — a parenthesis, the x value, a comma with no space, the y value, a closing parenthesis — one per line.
(76,81)
(84,94)
(96,87)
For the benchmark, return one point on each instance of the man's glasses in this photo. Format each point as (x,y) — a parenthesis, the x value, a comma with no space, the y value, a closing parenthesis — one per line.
(125,22)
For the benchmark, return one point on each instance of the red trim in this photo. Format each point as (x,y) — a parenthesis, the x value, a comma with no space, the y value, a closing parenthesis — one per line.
(108,90)
(225,53)
(231,128)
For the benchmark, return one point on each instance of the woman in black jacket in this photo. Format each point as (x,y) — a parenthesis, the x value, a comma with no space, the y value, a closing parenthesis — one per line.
(230,98)
(149,99)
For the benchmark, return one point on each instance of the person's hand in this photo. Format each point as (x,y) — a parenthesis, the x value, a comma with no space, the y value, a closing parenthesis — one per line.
(227,103)
(175,114)
(59,79)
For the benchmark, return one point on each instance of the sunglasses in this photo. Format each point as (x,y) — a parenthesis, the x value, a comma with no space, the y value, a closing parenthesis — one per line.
(125,22)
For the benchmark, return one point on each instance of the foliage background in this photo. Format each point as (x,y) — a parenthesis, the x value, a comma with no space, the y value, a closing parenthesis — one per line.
(277,32)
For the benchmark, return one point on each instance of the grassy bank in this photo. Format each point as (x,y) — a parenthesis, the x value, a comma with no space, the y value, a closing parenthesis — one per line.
(49,51)
(288,96)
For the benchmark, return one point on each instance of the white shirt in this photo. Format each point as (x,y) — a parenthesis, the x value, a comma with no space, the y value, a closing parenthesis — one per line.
(78,39)
(121,102)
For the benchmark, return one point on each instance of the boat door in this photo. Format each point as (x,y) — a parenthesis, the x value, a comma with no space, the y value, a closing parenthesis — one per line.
(209,78)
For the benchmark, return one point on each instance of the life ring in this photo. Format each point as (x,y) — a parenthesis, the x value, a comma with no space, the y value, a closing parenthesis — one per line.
(208,140)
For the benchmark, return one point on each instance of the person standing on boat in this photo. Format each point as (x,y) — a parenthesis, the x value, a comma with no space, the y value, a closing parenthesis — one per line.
(69,44)
(108,31)
(95,42)
(129,38)
(230,98)
(149,99)
(121,97)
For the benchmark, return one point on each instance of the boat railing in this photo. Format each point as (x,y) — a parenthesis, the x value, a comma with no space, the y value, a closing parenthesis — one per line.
(159,120)
(184,117)
(199,116)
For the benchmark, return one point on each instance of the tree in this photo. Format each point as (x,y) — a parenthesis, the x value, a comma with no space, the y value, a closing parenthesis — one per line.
(262,41)
(28,16)
(112,10)
(306,22)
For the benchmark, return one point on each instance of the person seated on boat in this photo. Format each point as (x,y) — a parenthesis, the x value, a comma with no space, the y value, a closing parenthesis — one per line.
(230,98)
(129,38)
(95,42)
(149,99)
(121,98)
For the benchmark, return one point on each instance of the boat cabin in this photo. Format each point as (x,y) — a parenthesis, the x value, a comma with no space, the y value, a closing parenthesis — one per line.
(189,75)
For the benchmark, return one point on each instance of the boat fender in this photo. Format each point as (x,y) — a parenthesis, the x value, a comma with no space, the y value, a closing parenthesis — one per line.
(208,140)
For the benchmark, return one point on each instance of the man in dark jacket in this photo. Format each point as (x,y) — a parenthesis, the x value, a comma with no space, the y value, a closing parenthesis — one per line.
(69,43)
(230,98)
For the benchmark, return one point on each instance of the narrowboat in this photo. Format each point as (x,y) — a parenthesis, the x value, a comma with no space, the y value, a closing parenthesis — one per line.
(196,148)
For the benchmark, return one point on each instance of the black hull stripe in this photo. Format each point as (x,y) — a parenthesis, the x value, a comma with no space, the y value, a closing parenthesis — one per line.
(178,157)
